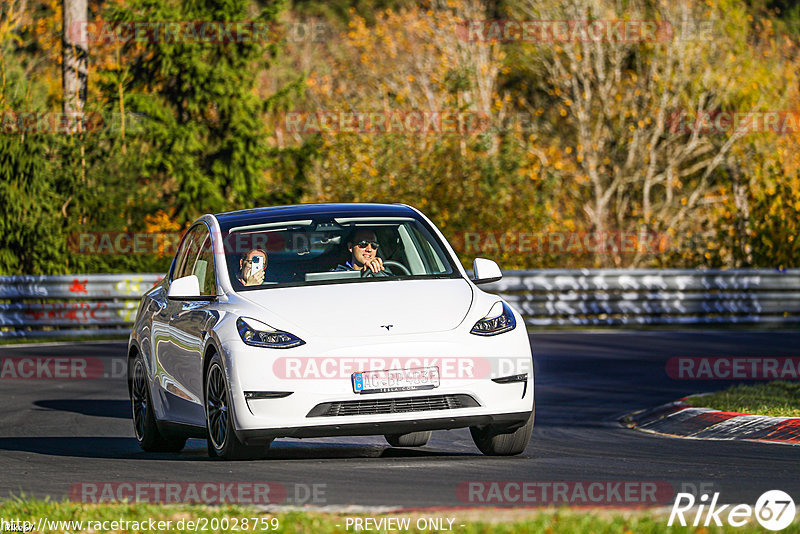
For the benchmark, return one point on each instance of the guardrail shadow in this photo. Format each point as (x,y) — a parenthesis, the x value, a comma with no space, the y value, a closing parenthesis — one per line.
(126,448)
(120,409)
(81,447)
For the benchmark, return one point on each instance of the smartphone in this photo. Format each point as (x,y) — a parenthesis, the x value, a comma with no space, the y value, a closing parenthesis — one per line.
(257,265)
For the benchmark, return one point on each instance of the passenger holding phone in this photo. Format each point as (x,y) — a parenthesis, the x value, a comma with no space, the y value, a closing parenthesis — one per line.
(251,267)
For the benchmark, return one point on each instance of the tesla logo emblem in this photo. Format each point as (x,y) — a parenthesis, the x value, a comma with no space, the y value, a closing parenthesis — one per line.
(387,326)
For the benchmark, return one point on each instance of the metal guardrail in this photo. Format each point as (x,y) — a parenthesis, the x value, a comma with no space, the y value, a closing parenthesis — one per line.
(70,305)
(91,305)
(645,296)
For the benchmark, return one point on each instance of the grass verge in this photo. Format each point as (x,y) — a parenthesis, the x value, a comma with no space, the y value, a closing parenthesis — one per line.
(222,518)
(778,399)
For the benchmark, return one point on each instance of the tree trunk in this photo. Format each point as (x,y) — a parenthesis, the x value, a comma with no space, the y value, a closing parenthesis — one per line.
(75,62)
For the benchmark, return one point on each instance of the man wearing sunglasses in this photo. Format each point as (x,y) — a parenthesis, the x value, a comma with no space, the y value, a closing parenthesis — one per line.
(363,247)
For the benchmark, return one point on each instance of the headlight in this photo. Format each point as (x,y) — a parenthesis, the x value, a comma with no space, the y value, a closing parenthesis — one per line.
(499,319)
(260,334)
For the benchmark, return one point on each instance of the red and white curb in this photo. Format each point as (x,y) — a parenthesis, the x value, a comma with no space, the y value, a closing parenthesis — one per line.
(684,420)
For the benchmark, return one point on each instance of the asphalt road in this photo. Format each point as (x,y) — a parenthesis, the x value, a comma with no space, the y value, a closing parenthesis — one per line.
(55,434)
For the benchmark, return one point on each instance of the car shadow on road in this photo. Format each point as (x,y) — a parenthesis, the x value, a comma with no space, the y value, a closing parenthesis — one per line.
(120,409)
(126,447)
(294,450)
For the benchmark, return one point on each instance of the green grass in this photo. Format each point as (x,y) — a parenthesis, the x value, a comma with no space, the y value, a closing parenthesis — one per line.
(475,521)
(779,399)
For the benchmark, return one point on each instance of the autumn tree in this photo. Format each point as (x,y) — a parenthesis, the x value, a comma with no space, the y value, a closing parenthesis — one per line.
(206,138)
(627,107)
(484,179)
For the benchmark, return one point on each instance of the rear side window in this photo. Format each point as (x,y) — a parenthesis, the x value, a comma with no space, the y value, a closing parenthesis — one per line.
(204,269)
(190,248)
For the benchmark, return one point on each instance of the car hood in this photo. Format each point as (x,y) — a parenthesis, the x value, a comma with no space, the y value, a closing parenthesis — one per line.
(367,308)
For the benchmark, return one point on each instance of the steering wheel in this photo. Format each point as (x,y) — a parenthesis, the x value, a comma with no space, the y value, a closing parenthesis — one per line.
(400,266)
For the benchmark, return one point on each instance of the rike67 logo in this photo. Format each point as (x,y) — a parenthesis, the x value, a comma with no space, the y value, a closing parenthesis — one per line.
(774,510)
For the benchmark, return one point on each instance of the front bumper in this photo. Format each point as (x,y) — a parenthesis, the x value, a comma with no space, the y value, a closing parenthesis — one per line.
(291,413)
(509,421)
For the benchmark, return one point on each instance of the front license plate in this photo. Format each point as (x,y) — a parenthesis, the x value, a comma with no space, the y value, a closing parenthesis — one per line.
(396,380)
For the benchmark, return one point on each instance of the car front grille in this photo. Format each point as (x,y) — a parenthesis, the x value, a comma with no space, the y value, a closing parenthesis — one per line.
(384,406)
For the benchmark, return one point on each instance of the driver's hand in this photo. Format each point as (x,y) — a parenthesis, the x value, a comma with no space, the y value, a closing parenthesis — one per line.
(254,279)
(374,265)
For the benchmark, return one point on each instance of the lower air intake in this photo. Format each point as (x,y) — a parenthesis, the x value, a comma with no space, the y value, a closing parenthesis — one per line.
(384,406)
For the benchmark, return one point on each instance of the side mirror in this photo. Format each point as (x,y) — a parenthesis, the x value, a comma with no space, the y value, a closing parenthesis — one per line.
(486,271)
(184,288)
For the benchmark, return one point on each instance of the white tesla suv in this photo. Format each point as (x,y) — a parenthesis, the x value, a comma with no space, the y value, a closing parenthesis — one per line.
(326,320)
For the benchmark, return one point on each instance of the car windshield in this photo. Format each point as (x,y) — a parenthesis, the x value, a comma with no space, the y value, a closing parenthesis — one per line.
(310,252)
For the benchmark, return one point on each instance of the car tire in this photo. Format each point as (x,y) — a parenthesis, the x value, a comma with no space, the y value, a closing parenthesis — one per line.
(222,440)
(493,441)
(148,436)
(412,439)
